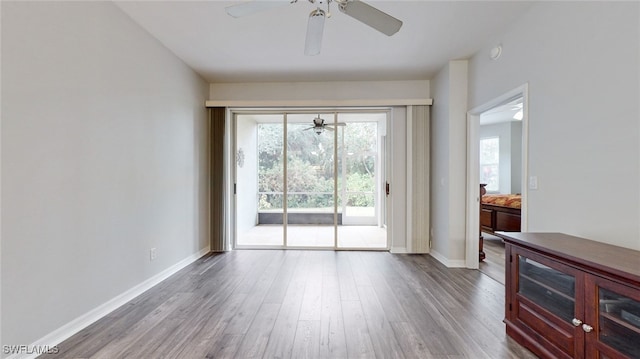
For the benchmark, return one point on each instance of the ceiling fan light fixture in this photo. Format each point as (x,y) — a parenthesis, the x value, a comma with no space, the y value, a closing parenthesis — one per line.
(518,116)
(315,27)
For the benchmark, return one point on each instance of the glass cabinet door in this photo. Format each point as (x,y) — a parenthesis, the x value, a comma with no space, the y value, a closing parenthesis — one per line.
(549,288)
(617,321)
(549,296)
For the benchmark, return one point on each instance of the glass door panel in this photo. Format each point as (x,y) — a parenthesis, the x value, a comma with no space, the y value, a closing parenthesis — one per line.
(311,217)
(259,180)
(287,168)
(619,322)
(360,143)
(547,287)
(360,194)
(360,182)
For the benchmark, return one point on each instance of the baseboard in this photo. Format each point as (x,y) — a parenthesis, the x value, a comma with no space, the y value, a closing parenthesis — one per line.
(398,250)
(63,333)
(404,250)
(459,263)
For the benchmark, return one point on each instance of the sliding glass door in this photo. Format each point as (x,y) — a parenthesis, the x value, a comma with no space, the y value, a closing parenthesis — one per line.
(259,180)
(309,180)
(361,188)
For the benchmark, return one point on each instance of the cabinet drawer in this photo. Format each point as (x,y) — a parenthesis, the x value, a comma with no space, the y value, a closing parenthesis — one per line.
(507,222)
(530,316)
(486,219)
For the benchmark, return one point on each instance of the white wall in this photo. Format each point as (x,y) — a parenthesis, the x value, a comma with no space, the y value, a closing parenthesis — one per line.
(503,132)
(516,157)
(510,135)
(440,163)
(448,153)
(356,90)
(581,62)
(103,157)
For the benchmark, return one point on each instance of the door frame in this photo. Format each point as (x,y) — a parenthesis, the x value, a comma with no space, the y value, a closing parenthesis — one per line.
(473,169)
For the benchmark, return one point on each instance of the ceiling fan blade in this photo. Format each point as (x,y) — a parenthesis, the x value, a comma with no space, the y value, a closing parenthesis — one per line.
(371,16)
(329,128)
(252,7)
(315,27)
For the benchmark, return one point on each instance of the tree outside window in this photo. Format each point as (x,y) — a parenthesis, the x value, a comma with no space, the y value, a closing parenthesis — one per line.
(310,165)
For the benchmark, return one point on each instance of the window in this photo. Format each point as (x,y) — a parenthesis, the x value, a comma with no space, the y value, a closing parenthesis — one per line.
(489,163)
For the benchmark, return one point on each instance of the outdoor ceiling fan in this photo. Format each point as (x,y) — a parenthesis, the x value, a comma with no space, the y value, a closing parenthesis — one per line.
(357,9)
(319,126)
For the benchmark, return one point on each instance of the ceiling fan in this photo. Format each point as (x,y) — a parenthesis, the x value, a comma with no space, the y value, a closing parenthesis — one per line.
(319,126)
(357,9)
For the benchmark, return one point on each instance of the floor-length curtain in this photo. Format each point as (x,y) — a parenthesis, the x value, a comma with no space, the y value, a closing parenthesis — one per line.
(217,183)
(420,179)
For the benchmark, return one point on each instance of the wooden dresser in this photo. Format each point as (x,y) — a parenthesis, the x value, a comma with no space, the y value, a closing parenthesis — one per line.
(569,297)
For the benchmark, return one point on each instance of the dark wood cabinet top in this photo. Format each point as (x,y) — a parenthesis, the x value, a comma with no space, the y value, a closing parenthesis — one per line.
(597,257)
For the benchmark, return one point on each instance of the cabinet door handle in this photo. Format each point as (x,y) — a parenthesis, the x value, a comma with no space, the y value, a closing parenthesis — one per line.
(576,322)
(587,328)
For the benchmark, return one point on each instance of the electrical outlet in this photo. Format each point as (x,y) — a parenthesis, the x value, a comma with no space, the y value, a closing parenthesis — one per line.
(152,254)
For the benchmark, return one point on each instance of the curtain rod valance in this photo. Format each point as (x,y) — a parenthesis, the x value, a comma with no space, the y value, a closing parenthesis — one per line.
(319,103)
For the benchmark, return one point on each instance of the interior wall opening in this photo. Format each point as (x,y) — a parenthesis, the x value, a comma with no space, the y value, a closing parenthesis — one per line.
(501,176)
(497,177)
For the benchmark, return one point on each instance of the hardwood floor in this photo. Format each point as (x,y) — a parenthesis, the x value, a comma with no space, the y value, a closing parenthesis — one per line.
(493,264)
(307,304)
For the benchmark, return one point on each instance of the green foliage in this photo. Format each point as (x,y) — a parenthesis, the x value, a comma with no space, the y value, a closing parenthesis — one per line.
(310,165)
(360,182)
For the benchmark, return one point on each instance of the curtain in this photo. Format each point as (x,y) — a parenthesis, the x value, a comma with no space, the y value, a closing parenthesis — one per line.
(217,185)
(420,155)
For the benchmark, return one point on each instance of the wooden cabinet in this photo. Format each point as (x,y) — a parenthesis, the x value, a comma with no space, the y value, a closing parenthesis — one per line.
(569,297)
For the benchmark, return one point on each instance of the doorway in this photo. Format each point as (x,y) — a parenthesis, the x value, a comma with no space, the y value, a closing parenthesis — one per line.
(497,156)
(310,179)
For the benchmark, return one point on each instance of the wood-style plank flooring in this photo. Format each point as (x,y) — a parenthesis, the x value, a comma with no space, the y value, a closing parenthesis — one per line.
(493,264)
(307,304)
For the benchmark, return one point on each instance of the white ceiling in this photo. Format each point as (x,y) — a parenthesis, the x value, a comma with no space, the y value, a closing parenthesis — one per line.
(269,46)
(503,113)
